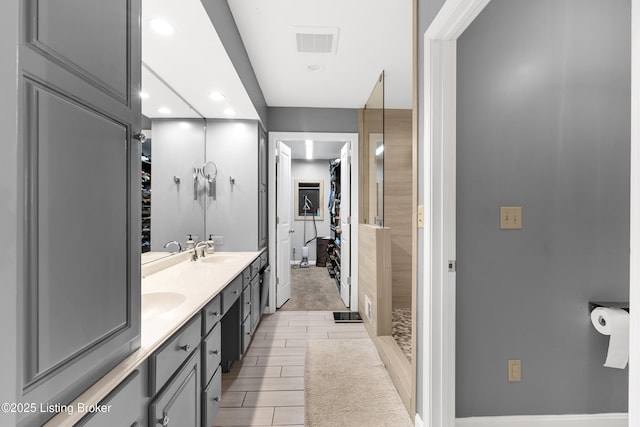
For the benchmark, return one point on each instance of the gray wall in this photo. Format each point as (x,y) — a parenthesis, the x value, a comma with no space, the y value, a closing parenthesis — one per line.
(290,119)
(224,24)
(543,123)
(311,170)
(9,213)
(177,145)
(427,11)
(233,146)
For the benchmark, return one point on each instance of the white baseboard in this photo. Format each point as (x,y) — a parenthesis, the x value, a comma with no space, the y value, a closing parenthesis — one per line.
(418,421)
(586,420)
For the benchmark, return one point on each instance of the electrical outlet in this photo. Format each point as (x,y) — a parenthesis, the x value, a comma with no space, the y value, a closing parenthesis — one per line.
(515,370)
(367,307)
(420,216)
(218,240)
(510,217)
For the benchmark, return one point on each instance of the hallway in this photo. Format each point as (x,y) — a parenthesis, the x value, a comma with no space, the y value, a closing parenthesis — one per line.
(266,388)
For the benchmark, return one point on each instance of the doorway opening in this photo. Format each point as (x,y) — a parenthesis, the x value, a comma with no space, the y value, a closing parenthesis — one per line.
(313,200)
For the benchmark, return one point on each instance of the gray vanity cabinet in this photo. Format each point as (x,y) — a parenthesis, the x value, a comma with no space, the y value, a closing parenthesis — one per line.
(79,166)
(124,406)
(178,403)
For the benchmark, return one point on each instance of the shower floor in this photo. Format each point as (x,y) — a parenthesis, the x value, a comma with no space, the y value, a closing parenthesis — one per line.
(401,329)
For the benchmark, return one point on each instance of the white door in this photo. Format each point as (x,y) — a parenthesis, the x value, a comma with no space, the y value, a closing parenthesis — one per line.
(345,224)
(283,224)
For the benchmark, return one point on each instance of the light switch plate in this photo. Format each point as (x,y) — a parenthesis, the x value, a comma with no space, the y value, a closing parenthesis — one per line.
(218,240)
(510,217)
(515,370)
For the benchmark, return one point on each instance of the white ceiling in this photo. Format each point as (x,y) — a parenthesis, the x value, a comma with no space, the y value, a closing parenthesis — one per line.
(374,35)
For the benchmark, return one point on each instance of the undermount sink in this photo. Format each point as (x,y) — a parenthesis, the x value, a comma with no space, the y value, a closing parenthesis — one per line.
(156,303)
(215,259)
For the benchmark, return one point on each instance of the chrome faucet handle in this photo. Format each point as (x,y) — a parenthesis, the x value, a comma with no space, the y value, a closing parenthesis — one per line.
(200,243)
(173,242)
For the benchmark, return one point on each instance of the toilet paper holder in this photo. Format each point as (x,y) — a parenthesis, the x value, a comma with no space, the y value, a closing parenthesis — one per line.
(595,304)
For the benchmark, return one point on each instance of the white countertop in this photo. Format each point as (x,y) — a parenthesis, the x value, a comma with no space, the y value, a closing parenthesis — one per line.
(196,283)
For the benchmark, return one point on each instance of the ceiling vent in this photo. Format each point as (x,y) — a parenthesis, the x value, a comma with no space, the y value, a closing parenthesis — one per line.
(323,40)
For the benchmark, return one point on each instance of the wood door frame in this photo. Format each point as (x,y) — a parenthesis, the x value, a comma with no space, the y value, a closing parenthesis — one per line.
(316,136)
(439,192)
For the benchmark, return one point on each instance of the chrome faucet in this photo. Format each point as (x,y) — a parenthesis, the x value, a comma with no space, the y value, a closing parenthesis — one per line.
(195,249)
(174,242)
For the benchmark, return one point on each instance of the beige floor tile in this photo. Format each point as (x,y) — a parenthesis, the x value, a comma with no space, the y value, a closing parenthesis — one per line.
(255,372)
(248,361)
(232,399)
(292,371)
(339,327)
(297,343)
(266,343)
(266,384)
(277,351)
(244,417)
(281,328)
(280,360)
(274,398)
(306,322)
(352,335)
(294,335)
(288,415)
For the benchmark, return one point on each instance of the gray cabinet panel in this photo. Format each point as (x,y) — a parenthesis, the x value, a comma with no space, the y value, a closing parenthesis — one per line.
(70,282)
(231,293)
(178,405)
(79,205)
(164,362)
(123,406)
(211,397)
(211,354)
(211,314)
(89,38)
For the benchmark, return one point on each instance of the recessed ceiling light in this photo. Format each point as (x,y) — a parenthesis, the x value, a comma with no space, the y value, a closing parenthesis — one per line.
(216,96)
(164,110)
(315,67)
(161,26)
(229,111)
(308,145)
(144,95)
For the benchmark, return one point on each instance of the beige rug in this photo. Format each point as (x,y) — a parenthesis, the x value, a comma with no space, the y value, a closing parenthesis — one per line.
(312,289)
(346,384)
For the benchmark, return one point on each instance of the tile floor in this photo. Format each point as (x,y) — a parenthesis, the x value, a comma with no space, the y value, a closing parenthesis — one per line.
(266,388)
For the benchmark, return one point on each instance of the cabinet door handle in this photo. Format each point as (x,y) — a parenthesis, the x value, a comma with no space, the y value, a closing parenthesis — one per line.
(186,347)
(216,399)
(213,313)
(165,421)
(235,292)
(215,351)
(249,302)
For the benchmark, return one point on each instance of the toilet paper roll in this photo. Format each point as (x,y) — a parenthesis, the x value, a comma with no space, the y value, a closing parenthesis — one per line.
(615,323)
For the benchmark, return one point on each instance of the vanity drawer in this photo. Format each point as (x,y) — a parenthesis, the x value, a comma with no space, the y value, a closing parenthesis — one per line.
(264,259)
(123,405)
(211,314)
(246,302)
(246,334)
(255,267)
(246,276)
(211,397)
(165,361)
(231,293)
(211,353)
